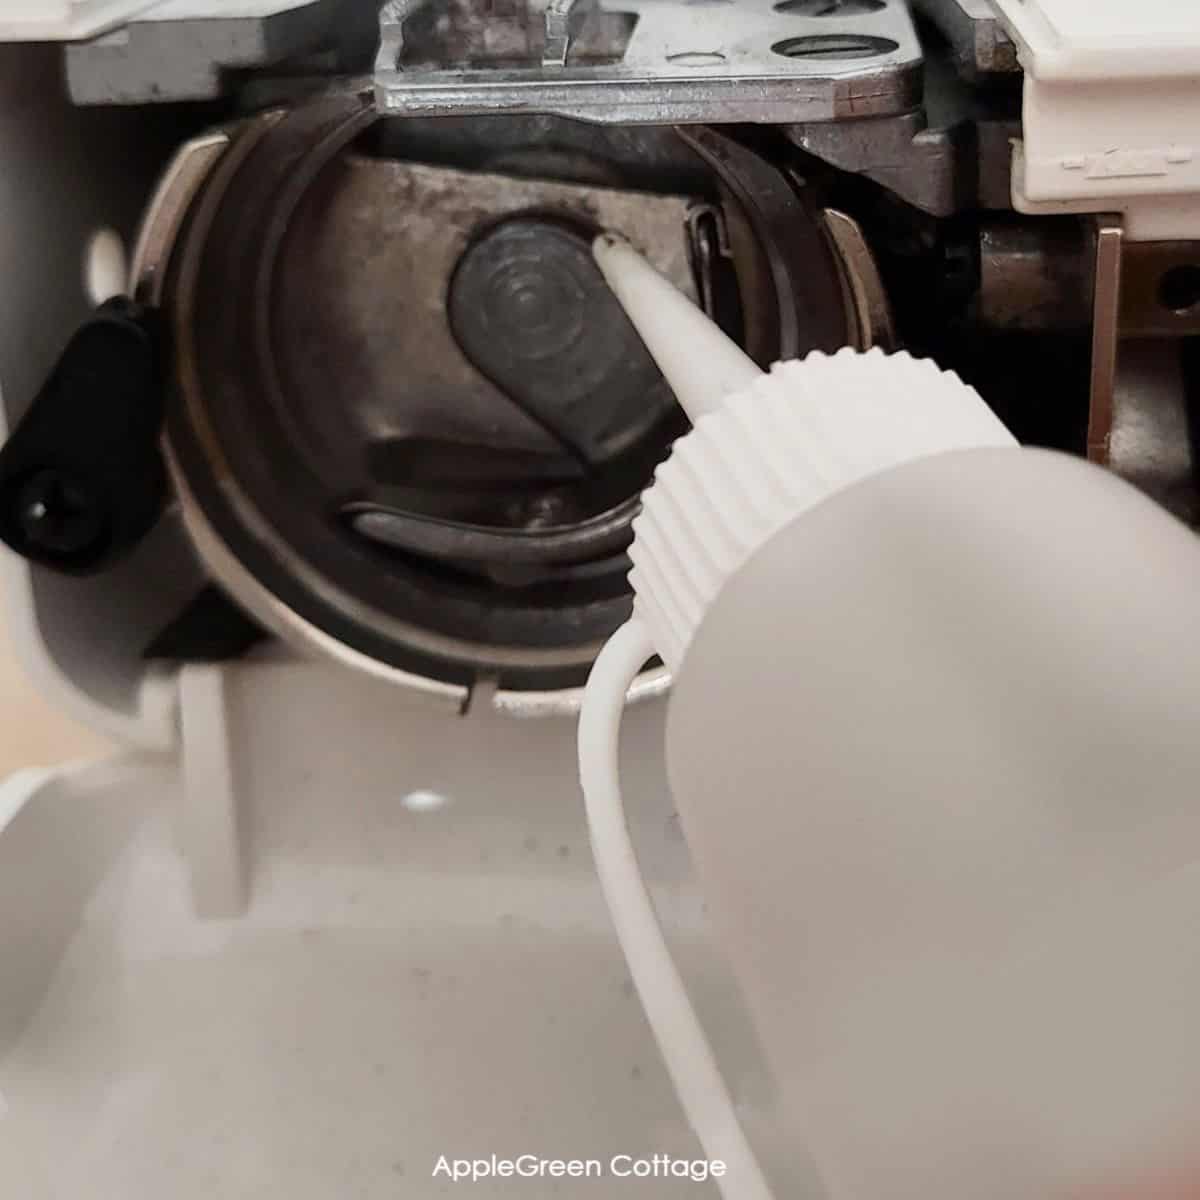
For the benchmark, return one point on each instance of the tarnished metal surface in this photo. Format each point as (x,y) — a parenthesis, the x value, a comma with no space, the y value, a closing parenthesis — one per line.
(305,259)
(558,31)
(1145,410)
(1151,442)
(1036,276)
(712,263)
(1160,289)
(980,44)
(950,155)
(670,61)
(921,165)
(281,619)
(548,552)
(363,310)
(167,212)
(788,276)
(866,296)
(1106,333)
(994,139)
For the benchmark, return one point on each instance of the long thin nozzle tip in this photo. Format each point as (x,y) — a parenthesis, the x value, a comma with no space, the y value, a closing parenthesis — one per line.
(701,364)
(605,247)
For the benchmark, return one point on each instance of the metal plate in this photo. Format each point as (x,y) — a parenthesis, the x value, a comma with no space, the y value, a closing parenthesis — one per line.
(309,299)
(167,211)
(681,63)
(980,45)
(269,430)
(1160,289)
(1151,442)
(362,311)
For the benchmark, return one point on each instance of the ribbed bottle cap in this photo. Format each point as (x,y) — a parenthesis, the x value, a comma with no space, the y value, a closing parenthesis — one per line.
(775,449)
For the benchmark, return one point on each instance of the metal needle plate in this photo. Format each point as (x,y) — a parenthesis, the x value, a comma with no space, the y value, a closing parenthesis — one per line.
(683,62)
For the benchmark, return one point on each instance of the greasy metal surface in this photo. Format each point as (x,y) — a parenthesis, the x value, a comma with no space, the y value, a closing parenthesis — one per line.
(712,263)
(994,140)
(867,298)
(1160,289)
(167,211)
(558,32)
(500,33)
(671,61)
(980,44)
(562,546)
(649,158)
(1151,443)
(281,618)
(951,154)
(1036,275)
(1105,335)
(919,164)
(362,310)
(274,430)
(790,284)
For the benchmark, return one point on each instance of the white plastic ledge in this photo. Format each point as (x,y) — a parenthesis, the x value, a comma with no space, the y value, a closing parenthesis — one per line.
(1111,118)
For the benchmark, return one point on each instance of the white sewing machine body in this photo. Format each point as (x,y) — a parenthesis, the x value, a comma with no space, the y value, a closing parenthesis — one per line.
(324,918)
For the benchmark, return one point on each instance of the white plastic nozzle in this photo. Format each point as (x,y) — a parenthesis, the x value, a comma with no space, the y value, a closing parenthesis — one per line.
(764,449)
(776,449)
(701,364)
(764,446)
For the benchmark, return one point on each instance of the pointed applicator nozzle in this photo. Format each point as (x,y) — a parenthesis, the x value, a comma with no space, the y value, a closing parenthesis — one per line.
(701,364)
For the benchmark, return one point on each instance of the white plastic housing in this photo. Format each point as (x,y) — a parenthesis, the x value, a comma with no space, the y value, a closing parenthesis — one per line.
(1112,101)
(934,750)
(64,174)
(424,965)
